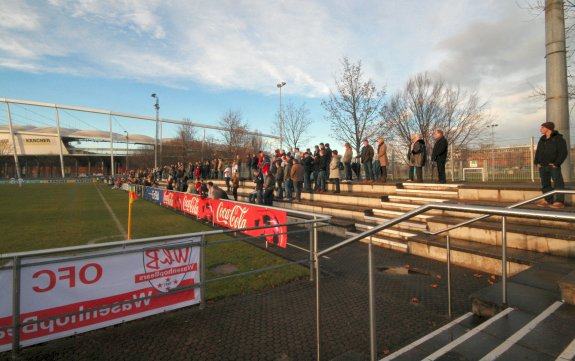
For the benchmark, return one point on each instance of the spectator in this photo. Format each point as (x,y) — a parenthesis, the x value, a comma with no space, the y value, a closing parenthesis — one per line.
(269,186)
(297,176)
(279,179)
(235,185)
(287,179)
(216,192)
(439,155)
(382,157)
(228,177)
(551,153)
(257,194)
(347,157)
(322,176)
(417,156)
(366,159)
(307,163)
(334,170)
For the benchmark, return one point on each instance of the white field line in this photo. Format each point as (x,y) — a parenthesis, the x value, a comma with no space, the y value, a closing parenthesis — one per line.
(507,344)
(112,214)
(450,346)
(426,337)
(567,354)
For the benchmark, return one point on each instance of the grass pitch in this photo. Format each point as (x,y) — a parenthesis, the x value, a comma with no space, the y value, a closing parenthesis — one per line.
(41,216)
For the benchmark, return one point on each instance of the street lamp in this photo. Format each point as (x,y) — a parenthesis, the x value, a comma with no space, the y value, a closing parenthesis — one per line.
(280,85)
(492,126)
(157,106)
(127,141)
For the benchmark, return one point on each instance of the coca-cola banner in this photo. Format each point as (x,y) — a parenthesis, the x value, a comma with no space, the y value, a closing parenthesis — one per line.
(232,215)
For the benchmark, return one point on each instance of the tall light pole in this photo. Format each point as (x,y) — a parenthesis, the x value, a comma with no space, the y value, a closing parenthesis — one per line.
(157,106)
(127,142)
(492,126)
(280,85)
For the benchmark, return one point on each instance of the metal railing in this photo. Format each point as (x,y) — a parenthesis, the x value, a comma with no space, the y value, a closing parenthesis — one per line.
(486,210)
(15,262)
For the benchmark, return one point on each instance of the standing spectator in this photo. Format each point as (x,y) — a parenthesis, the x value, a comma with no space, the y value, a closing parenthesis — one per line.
(235,185)
(334,170)
(322,176)
(297,176)
(228,177)
(347,157)
(257,194)
(366,159)
(238,164)
(417,156)
(287,179)
(307,163)
(439,154)
(551,153)
(269,185)
(280,179)
(382,157)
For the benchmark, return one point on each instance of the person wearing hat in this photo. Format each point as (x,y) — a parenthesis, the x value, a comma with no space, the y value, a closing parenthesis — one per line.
(551,153)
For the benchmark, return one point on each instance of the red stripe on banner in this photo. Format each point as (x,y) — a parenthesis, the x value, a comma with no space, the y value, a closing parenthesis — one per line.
(110,311)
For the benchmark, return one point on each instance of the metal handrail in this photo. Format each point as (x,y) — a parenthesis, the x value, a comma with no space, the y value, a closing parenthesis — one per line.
(515,205)
(488,210)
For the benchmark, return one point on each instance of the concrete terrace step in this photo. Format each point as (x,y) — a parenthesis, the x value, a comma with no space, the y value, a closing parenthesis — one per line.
(412,224)
(381,241)
(551,240)
(391,232)
(436,186)
(410,199)
(427,193)
(393,214)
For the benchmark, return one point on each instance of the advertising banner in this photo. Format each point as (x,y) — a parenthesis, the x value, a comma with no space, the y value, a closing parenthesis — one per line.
(153,195)
(101,289)
(232,215)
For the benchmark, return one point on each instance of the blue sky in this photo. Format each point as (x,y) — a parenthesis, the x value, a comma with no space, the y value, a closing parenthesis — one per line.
(205,57)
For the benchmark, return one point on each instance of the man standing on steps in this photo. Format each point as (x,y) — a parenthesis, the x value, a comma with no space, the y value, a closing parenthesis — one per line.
(366,159)
(417,156)
(439,154)
(551,152)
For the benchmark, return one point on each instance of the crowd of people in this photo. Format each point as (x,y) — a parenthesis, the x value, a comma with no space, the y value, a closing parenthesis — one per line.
(285,174)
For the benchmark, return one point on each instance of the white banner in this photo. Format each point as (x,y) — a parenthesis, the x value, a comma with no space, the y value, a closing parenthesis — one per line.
(100,280)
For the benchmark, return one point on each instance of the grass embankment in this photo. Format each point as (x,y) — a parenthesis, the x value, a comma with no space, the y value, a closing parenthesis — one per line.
(40,216)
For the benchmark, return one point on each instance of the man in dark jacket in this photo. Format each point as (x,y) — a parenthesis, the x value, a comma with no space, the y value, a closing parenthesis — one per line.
(269,186)
(257,194)
(280,180)
(307,163)
(439,154)
(551,153)
(367,154)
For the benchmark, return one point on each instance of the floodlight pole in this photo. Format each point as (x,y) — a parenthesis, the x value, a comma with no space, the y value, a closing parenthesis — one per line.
(113,172)
(60,141)
(127,142)
(16,163)
(280,85)
(157,106)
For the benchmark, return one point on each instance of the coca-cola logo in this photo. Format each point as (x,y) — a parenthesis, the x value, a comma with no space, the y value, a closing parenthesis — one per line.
(232,217)
(191,205)
(169,199)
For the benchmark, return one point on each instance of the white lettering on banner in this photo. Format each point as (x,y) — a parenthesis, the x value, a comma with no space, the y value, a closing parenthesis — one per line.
(103,288)
(169,199)
(232,217)
(191,205)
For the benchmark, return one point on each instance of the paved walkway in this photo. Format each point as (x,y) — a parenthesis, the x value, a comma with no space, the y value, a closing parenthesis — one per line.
(279,324)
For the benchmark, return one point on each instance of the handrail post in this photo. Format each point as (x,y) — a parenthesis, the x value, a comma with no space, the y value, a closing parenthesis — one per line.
(372,327)
(449,307)
(312,232)
(317,307)
(16,308)
(504,260)
(203,245)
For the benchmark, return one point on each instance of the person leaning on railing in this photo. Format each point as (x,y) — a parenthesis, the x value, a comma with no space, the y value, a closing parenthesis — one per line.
(551,153)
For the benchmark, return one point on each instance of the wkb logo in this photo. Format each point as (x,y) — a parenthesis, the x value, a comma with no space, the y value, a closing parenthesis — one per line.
(166,268)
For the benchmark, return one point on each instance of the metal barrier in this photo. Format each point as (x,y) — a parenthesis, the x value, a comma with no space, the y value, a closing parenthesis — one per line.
(14,261)
(486,210)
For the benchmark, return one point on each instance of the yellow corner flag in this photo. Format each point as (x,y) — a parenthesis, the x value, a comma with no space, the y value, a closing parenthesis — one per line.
(132,196)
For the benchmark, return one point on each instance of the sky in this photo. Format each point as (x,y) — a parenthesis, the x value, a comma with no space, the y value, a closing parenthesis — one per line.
(204,58)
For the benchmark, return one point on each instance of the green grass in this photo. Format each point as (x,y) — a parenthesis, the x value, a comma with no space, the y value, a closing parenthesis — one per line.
(41,216)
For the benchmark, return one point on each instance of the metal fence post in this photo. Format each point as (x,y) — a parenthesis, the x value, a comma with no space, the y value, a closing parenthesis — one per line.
(532,158)
(372,327)
(312,249)
(203,245)
(449,307)
(16,308)
(317,308)
(452,156)
(504,259)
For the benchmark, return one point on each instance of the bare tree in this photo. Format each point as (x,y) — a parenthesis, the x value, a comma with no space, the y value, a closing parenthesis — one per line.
(296,122)
(235,131)
(353,109)
(254,143)
(185,136)
(425,105)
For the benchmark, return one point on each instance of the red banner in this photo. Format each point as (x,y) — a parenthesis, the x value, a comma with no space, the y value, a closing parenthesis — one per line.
(232,215)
